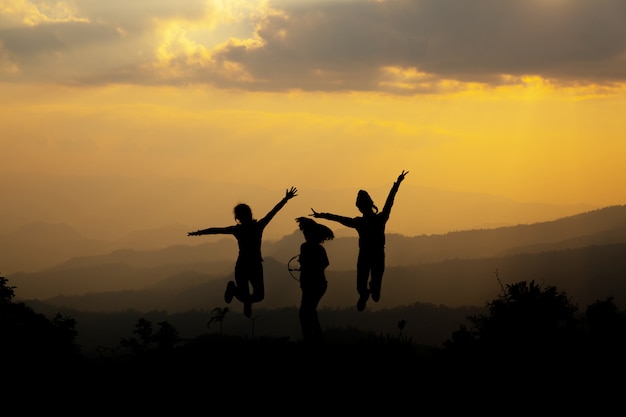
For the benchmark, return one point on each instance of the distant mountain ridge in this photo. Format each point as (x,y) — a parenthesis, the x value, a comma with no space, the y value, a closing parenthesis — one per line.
(108,207)
(455,268)
(40,245)
(601,226)
(586,275)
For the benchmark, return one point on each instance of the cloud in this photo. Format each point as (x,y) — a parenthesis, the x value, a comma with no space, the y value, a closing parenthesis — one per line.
(397,46)
(16,12)
(348,45)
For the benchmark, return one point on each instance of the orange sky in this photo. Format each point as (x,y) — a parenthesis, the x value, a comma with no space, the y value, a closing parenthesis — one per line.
(524,101)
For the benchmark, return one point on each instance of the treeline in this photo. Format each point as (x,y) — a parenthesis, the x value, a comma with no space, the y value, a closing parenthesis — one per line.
(526,319)
(531,337)
(426,324)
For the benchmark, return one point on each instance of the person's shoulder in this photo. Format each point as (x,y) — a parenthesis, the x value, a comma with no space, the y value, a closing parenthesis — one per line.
(358,220)
(249,224)
(244,227)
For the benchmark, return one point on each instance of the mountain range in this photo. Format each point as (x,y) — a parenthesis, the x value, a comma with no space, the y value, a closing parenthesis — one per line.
(582,255)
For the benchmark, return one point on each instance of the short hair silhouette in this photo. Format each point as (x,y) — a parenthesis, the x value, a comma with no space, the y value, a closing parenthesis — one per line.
(249,265)
(243,213)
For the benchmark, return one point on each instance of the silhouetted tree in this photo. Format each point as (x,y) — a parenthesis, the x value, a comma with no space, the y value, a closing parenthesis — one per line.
(6,291)
(143,329)
(606,328)
(32,337)
(527,322)
(164,339)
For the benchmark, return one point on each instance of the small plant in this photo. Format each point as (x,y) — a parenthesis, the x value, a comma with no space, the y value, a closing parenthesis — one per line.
(218,315)
(401,337)
(165,338)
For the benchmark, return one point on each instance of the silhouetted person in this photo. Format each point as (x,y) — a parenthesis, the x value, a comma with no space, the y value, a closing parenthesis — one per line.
(371,229)
(313,262)
(249,266)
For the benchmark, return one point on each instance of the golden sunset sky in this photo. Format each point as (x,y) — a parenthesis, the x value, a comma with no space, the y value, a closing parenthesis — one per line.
(179,109)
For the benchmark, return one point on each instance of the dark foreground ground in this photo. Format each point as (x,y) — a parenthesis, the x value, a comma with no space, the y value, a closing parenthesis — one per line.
(214,374)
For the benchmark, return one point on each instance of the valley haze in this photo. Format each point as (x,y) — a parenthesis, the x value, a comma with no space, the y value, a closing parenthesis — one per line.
(433,281)
(581,254)
(46,219)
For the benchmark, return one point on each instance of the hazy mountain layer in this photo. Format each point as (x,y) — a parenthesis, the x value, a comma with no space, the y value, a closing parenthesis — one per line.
(46,220)
(582,255)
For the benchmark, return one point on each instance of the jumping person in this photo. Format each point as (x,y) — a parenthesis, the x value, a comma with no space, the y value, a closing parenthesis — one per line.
(371,229)
(313,262)
(249,266)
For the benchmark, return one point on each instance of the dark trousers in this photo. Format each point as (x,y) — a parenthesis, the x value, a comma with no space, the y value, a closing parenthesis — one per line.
(249,274)
(370,264)
(309,320)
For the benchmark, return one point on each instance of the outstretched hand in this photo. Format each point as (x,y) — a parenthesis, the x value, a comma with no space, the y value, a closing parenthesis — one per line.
(314,214)
(401,176)
(291,193)
(196,233)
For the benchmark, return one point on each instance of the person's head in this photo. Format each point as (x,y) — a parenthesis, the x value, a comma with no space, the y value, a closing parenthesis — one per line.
(243,213)
(313,231)
(364,202)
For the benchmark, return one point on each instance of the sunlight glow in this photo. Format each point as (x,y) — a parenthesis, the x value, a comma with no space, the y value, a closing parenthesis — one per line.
(328,96)
(30,14)
(411,80)
(176,45)
(186,46)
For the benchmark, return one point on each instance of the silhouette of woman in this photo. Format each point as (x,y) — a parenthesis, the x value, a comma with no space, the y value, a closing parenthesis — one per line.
(371,229)
(249,266)
(313,262)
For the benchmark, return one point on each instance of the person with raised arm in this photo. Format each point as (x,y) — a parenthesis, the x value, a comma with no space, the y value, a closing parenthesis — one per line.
(370,227)
(249,265)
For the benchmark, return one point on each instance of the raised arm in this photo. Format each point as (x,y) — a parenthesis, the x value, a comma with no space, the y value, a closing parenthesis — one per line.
(392,193)
(289,194)
(346,221)
(213,231)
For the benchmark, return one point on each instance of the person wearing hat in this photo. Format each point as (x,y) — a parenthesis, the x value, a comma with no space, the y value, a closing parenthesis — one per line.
(371,230)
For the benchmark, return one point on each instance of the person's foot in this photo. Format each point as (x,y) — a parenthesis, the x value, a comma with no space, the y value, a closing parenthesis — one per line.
(230,292)
(247,309)
(360,304)
(375,293)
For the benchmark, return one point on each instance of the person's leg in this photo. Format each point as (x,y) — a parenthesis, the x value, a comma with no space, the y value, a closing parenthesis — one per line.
(257,283)
(250,275)
(362,274)
(316,327)
(242,275)
(231,290)
(243,272)
(378,269)
(233,287)
(309,320)
(304,315)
